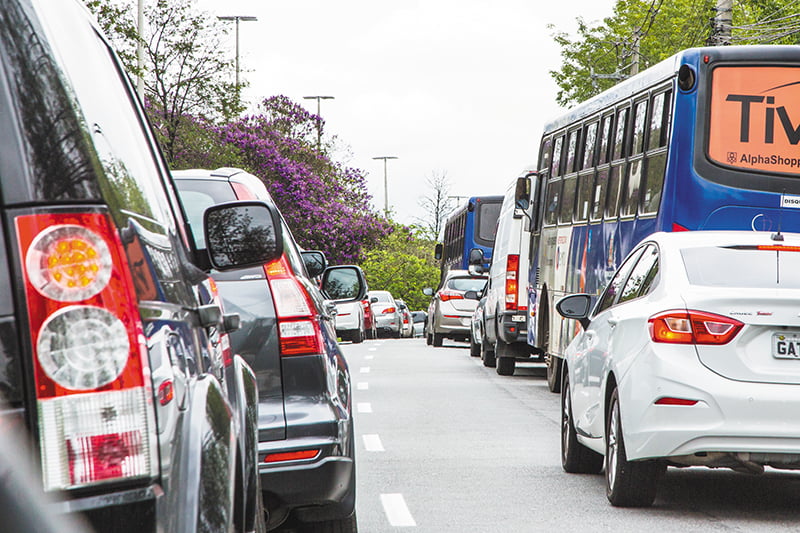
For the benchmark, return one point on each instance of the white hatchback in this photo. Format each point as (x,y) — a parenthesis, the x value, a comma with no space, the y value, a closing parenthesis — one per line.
(690,357)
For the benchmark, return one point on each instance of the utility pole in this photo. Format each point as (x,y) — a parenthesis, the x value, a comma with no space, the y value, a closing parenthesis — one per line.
(635,61)
(237,18)
(723,20)
(140,49)
(319,117)
(385,183)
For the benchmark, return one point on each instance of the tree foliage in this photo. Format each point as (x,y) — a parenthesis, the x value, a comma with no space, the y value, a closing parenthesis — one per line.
(403,264)
(640,33)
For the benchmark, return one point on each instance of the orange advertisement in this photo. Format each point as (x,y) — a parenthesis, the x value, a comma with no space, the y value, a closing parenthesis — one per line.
(755,118)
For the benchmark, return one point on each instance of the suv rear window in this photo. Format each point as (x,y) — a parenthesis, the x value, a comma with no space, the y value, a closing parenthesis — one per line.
(755,268)
(466,284)
(199,195)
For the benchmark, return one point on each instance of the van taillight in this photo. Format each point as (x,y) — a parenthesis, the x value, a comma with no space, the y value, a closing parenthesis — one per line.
(299,331)
(94,416)
(512,280)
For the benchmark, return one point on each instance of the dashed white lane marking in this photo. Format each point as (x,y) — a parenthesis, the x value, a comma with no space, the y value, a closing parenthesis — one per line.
(365,407)
(372,443)
(394,505)
(373,349)
(364,370)
(363,385)
(369,357)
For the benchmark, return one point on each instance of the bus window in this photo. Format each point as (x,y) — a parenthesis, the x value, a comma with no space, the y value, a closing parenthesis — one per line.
(567,200)
(589,141)
(657,136)
(639,121)
(605,138)
(555,165)
(630,196)
(553,194)
(654,181)
(544,154)
(620,134)
(486,226)
(572,141)
(583,196)
(614,182)
(599,196)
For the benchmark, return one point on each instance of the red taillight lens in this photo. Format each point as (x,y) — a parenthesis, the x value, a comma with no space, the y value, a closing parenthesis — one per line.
(675,401)
(450,295)
(693,327)
(89,351)
(512,277)
(281,457)
(389,310)
(299,332)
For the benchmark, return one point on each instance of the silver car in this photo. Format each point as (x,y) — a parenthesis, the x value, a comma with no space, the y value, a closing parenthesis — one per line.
(387,313)
(450,313)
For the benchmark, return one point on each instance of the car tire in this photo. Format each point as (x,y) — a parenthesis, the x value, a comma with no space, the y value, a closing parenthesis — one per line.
(474,347)
(438,339)
(628,483)
(345,525)
(505,366)
(553,373)
(487,354)
(358,336)
(575,457)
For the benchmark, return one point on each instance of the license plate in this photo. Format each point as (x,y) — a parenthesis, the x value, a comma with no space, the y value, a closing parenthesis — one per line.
(786,345)
(518,318)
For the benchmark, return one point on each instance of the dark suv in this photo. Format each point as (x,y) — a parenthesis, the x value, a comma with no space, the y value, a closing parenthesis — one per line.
(113,356)
(305,428)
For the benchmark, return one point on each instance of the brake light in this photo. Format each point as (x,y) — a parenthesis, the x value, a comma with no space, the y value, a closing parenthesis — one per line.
(93,398)
(512,277)
(280,457)
(389,310)
(778,248)
(299,332)
(450,295)
(693,327)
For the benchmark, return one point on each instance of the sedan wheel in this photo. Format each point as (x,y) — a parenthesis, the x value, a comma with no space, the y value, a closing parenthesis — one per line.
(575,457)
(474,347)
(628,483)
(438,339)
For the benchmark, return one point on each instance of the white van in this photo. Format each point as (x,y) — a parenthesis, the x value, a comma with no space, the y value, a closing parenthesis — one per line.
(506,310)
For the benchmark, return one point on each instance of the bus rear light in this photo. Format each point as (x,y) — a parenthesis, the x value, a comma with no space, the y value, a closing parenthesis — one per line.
(93,437)
(693,327)
(512,285)
(166,392)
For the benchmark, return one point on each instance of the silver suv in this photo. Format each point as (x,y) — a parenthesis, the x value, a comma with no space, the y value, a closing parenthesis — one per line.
(450,313)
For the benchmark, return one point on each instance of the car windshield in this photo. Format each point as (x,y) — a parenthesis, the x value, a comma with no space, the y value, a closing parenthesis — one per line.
(756,267)
(466,284)
(383,297)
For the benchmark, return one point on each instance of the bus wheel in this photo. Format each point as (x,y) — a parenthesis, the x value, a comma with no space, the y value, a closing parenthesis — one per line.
(553,373)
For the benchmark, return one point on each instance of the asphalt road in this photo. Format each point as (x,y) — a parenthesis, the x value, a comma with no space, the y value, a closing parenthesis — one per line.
(448,446)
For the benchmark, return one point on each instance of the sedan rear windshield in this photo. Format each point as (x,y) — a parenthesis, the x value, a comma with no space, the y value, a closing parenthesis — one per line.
(755,267)
(466,284)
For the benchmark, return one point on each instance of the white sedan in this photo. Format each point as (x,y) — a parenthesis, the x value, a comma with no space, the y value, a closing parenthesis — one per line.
(690,357)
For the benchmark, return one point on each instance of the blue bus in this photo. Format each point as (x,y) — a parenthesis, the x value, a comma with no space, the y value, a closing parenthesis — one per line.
(473,225)
(707,139)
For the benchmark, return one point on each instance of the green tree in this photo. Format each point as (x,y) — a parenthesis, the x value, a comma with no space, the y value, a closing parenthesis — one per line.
(640,33)
(403,264)
(187,70)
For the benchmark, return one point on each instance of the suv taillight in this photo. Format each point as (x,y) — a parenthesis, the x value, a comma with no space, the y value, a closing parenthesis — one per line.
(95,414)
(299,331)
(693,327)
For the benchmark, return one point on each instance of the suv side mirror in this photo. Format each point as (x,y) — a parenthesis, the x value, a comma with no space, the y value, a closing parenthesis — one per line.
(437,251)
(427,291)
(315,262)
(242,234)
(344,283)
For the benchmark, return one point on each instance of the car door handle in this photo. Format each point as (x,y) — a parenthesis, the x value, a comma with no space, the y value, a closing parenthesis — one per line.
(613,322)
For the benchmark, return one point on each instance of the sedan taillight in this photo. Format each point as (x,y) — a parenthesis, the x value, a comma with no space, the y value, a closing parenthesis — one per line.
(89,351)
(450,295)
(693,327)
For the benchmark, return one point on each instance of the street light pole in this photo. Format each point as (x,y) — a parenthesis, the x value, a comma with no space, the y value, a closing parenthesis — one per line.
(319,117)
(385,183)
(237,18)
(140,49)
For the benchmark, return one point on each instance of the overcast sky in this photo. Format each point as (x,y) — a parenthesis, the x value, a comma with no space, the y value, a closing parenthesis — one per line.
(447,86)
